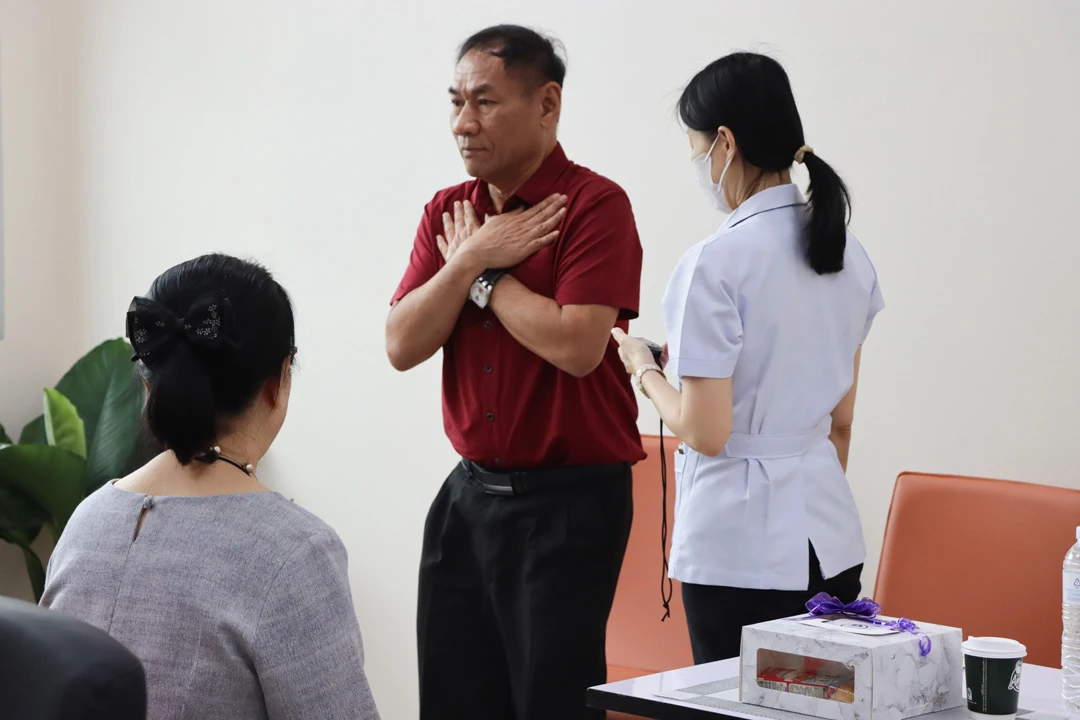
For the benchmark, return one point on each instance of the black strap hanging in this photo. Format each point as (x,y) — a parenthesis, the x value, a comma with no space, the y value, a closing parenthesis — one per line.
(666,588)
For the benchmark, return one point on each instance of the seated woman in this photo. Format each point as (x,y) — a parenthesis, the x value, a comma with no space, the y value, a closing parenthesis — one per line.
(235,600)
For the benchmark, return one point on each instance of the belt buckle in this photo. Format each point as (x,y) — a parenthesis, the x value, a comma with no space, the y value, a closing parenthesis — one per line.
(497,489)
(476,472)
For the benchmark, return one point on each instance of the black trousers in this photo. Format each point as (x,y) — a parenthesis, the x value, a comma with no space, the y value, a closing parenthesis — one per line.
(716,615)
(514,599)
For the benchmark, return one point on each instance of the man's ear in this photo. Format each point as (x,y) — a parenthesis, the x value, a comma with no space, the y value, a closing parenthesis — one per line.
(550,104)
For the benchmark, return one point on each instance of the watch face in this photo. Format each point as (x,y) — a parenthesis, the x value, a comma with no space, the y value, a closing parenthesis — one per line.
(478,294)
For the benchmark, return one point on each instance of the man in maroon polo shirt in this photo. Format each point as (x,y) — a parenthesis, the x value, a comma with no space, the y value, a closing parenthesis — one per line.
(519,276)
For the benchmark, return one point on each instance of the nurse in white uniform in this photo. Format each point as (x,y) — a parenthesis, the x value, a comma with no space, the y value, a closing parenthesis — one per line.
(765,321)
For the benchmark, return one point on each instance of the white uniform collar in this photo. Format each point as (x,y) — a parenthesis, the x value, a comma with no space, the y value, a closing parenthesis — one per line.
(774,198)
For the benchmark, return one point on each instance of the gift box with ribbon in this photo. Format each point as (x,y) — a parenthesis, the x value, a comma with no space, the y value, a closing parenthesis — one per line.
(844,661)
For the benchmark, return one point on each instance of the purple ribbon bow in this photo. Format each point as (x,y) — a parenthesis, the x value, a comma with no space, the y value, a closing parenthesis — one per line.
(825,605)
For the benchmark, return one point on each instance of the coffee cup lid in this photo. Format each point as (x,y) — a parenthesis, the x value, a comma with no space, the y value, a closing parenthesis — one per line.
(993,647)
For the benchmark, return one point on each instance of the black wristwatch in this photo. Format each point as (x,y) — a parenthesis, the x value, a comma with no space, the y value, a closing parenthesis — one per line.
(480,292)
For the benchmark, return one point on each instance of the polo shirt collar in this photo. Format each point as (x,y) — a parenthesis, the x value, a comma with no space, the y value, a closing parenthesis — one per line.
(536,188)
(774,198)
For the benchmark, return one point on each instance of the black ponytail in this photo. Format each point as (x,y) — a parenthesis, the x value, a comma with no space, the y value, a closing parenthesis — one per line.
(204,372)
(181,410)
(829,204)
(750,94)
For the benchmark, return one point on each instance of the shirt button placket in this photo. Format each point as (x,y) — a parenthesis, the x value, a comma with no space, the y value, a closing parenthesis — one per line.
(488,369)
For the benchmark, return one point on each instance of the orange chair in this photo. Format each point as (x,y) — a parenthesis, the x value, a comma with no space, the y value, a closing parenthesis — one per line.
(638,643)
(982,555)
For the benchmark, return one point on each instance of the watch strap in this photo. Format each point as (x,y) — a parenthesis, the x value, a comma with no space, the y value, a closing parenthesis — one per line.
(490,277)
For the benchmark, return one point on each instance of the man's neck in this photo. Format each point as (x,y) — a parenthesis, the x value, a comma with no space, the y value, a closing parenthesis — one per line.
(502,190)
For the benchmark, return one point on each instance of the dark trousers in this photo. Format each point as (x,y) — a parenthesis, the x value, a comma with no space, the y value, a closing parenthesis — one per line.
(716,615)
(515,593)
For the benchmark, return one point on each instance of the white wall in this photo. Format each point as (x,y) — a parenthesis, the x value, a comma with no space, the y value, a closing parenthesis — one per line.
(309,135)
(38,82)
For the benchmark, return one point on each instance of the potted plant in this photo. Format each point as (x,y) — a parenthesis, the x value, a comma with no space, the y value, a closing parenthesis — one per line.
(90,432)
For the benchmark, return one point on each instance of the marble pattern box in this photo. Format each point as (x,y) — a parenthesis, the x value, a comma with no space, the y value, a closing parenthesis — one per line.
(892,678)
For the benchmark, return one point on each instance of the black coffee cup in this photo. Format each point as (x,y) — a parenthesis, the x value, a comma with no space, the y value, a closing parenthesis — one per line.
(992,667)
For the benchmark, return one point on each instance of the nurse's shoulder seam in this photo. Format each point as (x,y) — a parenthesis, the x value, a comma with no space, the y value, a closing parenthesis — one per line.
(722,258)
(731,245)
(708,257)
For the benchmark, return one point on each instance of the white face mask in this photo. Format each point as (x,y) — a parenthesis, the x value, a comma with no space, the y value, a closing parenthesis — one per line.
(703,168)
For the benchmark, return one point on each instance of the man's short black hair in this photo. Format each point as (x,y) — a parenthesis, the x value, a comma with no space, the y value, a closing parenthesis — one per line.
(520,49)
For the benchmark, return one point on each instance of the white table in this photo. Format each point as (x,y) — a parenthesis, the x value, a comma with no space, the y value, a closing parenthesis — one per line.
(1040,693)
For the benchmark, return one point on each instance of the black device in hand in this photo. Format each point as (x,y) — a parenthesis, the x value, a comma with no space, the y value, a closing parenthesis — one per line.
(656,350)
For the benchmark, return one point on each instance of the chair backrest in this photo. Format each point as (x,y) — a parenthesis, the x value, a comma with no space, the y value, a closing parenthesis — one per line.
(981,555)
(54,667)
(638,643)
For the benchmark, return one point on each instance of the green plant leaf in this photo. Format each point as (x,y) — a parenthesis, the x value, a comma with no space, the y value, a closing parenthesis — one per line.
(34,432)
(4,439)
(63,426)
(35,570)
(109,399)
(21,520)
(20,517)
(52,477)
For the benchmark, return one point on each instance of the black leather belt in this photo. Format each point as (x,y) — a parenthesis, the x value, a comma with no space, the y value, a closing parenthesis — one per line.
(525,482)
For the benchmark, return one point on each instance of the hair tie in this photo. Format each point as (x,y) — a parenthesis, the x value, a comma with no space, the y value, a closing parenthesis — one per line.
(153,329)
(802,152)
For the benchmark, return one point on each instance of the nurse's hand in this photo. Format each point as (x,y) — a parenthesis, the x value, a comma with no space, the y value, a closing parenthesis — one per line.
(632,351)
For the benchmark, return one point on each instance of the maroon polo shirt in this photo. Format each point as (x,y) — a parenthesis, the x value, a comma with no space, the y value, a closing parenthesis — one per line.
(504,407)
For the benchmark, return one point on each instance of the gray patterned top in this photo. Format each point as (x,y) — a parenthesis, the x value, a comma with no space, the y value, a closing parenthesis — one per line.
(238,606)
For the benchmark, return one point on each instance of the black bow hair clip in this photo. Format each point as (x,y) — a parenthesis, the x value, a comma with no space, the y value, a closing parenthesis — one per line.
(154,330)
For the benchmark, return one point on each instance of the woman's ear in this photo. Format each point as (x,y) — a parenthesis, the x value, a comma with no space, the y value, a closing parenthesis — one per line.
(277,388)
(725,141)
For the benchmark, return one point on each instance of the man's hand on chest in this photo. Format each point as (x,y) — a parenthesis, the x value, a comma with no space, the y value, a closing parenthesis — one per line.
(501,241)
